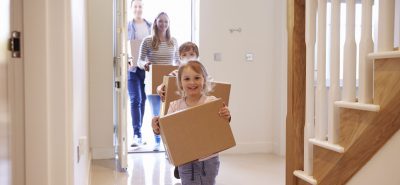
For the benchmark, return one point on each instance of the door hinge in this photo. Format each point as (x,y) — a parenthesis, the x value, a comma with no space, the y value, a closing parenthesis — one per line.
(117,84)
(15,44)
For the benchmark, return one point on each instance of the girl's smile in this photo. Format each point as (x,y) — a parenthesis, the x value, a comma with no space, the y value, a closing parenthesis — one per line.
(192,82)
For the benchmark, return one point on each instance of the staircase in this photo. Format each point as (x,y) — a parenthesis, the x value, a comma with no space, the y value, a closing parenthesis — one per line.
(363,132)
(331,137)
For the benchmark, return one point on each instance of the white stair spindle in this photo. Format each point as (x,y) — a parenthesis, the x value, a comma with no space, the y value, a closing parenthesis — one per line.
(386,25)
(334,90)
(350,50)
(366,47)
(321,120)
(311,13)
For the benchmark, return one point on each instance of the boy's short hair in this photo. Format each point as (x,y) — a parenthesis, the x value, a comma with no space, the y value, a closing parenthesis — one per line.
(187,46)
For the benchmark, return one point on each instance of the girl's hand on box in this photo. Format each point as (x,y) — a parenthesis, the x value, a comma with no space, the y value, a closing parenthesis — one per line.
(225,113)
(155,124)
(174,73)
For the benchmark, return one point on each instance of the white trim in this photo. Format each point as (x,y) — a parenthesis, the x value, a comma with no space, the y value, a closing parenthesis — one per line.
(358,106)
(384,54)
(276,149)
(248,148)
(103,153)
(302,175)
(327,145)
(89,168)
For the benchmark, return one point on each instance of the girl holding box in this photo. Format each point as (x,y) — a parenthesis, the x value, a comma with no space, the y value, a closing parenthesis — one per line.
(193,83)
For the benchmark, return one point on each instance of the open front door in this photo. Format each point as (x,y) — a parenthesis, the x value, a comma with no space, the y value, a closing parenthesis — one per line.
(120,79)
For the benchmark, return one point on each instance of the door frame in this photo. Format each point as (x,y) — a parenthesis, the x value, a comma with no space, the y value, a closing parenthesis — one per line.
(16,96)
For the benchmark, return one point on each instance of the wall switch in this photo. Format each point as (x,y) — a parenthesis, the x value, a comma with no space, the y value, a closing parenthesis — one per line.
(249,57)
(217,57)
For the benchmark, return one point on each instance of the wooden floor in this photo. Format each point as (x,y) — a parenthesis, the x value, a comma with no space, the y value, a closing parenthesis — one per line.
(154,169)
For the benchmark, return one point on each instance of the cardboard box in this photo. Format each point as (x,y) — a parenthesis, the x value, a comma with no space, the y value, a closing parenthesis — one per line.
(158,72)
(195,133)
(220,90)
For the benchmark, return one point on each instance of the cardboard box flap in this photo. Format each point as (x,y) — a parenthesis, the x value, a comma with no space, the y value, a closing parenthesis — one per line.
(158,71)
(196,133)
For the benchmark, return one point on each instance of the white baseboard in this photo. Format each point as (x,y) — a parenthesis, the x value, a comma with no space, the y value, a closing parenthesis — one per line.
(102,153)
(276,149)
(254,147)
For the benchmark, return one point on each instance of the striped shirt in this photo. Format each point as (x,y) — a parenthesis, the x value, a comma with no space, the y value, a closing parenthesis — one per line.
(164,55)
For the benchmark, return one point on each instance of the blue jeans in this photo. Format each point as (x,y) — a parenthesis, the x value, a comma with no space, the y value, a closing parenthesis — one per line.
(137,98)
(155,105)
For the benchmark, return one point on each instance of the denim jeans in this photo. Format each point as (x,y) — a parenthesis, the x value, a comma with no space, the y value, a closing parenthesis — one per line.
(137,98)
(155,105)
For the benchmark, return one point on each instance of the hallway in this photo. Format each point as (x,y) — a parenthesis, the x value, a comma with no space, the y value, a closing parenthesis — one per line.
(154,169)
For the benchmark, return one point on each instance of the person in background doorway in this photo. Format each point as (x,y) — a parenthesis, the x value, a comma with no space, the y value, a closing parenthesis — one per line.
(194,85)
(159,48)
(187,51)
(138,28)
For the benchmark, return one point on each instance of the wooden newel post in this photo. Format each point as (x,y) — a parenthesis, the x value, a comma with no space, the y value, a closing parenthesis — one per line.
(296,88)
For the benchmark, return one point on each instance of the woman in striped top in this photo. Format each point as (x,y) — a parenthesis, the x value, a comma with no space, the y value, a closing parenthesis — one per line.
(159,48)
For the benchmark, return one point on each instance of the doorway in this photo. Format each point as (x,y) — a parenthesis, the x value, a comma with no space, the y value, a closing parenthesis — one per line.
(183,24)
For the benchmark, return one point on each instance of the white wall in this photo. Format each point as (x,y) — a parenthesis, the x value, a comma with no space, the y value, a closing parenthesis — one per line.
(257,96)
(100,47)
(56,92)
(282,55)
(383,168)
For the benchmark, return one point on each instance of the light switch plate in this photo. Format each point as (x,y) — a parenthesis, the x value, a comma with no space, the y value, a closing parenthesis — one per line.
(249,57)
(217,57)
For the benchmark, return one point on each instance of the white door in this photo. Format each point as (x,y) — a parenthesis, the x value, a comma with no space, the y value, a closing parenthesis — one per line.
(5,168)
(120,78)
(11,94)
(16,96)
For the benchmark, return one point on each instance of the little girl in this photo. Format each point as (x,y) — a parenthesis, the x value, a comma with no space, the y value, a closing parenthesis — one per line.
(194,85)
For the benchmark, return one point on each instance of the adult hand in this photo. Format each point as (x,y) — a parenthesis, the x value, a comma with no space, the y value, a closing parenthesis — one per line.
(155,124)
(130,66)
(225,113)
(147,66)
(161,92)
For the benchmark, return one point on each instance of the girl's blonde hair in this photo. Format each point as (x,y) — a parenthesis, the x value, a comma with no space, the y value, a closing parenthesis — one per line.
(155,40)
(198,68)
